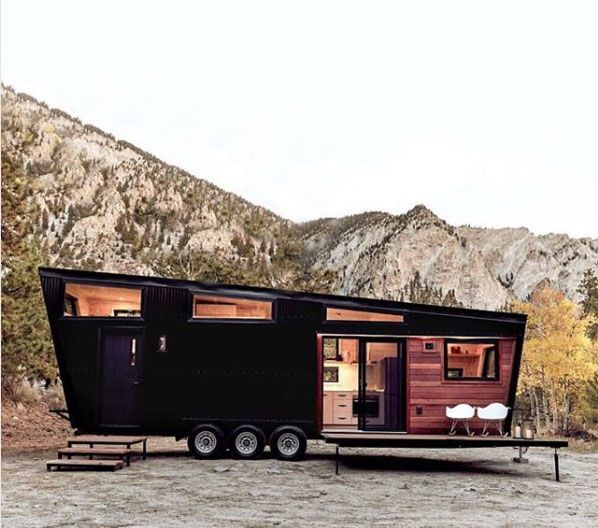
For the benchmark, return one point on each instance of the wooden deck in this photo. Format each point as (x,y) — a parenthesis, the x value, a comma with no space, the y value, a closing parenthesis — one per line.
(384,439)
(392,439)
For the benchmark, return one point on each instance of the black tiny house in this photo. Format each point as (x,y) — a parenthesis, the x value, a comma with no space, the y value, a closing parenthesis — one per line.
(243,367)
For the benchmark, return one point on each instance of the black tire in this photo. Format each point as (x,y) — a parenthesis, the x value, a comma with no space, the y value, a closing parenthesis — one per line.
(206,441)
(247,441)
(288,443)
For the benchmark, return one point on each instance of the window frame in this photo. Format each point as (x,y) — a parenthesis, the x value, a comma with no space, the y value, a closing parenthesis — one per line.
(74,304)
(236,320)
(361,310)
(446,368)
(83,282)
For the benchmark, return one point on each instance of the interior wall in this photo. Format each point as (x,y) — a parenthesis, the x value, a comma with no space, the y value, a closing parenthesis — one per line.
(103,300)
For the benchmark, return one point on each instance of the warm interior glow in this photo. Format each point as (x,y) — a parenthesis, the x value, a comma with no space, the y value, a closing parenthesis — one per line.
(342,314)
(471,360)
(84,300)
(216,307)
(340,380)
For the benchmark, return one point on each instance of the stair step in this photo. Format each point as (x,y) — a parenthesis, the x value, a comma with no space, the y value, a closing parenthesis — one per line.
(105,439)
(102,451)
(61,463)
(122,453)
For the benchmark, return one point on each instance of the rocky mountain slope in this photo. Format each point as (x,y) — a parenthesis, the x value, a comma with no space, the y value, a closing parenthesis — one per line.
(377,254)
(104,204)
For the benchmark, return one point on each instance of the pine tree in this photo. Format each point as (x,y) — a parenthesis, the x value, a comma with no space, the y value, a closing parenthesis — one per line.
(70,221)
(592,399)
(45,220)
(589,289)
(26,345)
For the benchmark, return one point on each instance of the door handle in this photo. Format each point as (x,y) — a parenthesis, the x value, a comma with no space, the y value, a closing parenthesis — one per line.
(133,358)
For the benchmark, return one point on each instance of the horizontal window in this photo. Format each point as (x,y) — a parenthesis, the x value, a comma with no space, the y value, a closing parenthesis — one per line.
(471,361)
(84,300)
(216,307)
(342,314)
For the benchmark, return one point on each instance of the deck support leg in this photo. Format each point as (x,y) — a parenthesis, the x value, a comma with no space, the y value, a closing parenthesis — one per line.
(336,458)
(556,465)
(144,449)
(521,458)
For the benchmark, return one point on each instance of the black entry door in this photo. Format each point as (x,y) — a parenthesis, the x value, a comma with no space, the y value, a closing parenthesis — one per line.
(381,384)
(119,399)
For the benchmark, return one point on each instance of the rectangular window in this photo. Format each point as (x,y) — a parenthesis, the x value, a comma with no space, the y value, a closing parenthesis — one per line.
(84,300)
(343,314)
(216,307)
(471,361)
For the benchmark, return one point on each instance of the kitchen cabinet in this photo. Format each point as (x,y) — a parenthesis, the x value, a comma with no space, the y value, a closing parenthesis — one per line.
(338,408)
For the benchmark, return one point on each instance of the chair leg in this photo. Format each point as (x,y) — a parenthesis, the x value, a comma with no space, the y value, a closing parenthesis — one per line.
(485,430)
(469,433)
(453,429)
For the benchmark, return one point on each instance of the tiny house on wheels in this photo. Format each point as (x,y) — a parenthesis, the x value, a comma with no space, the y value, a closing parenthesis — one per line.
(239,368)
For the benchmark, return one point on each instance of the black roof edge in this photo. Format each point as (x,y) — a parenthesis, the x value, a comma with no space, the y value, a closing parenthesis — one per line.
(340,300)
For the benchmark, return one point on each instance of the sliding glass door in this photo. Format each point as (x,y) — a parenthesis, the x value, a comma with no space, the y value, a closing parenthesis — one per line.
(381,384)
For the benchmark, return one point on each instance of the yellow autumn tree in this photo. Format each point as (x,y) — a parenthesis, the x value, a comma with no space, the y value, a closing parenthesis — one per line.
(558,359)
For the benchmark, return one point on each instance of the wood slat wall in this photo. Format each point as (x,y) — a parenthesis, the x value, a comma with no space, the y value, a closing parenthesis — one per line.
(428,389)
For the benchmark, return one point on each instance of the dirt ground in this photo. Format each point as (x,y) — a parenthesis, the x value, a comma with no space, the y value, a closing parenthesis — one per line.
(476,487)
(31,426)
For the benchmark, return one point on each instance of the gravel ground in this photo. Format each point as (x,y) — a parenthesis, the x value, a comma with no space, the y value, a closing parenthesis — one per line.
(433,488)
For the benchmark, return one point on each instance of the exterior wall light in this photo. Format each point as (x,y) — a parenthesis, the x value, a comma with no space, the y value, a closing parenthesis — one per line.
(162,344)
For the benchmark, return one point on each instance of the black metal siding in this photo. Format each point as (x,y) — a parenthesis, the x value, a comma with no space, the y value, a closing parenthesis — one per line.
(225,371)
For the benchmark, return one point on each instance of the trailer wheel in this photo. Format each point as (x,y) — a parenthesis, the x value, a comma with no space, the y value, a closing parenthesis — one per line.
(206,441)
(247,441)
(288,443)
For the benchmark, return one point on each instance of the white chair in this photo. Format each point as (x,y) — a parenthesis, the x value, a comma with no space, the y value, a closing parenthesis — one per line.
(495,414)
(460,413)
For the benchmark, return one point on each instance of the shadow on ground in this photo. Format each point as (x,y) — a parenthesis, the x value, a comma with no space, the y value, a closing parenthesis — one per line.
(367,462)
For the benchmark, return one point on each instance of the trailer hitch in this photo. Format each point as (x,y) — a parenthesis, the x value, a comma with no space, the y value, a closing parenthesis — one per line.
(63,413)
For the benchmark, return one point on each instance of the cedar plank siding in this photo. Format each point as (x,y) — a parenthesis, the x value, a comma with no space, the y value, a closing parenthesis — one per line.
(428,389)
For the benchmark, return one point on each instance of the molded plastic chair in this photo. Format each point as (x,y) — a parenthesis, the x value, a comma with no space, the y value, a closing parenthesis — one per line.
(495,414)
(460,413)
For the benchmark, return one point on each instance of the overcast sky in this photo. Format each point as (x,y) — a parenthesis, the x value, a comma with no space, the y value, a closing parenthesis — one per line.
(486,112)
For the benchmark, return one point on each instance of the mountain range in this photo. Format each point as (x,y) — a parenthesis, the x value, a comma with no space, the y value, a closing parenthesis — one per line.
(101,203)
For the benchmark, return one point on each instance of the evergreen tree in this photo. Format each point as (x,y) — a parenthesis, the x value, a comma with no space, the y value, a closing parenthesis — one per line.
(70,221)
(592,399)
(45,220)
(26,345)
(589,289)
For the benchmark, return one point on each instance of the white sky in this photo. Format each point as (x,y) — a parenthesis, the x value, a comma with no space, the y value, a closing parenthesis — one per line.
(487,112)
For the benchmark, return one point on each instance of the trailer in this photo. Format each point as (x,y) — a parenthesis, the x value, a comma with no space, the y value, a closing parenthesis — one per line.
(239,368)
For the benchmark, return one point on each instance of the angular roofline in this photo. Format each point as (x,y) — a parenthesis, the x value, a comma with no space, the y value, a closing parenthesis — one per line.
(149,280)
